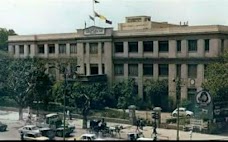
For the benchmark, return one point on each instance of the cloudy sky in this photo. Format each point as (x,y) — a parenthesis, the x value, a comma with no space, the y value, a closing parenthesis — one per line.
(62,16)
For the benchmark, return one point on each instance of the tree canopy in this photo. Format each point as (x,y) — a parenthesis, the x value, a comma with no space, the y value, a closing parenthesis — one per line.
(217,77)
(4,33)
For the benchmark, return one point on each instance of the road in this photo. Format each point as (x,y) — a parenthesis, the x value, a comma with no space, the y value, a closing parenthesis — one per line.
(11,119)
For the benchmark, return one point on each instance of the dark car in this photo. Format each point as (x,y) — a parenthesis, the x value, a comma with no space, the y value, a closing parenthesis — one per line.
(47,132)
(3,127)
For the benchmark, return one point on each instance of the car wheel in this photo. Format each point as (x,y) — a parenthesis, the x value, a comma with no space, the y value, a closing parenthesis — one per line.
(59,133)
(174,115)
(188,115)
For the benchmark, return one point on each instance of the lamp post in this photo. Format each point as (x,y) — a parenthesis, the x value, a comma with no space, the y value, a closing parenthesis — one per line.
(64,96)
(178,94)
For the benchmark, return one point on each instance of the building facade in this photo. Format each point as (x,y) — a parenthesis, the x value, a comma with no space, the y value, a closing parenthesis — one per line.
(139,49)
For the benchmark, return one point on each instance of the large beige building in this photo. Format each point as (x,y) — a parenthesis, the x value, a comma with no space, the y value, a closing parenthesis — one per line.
(140,49)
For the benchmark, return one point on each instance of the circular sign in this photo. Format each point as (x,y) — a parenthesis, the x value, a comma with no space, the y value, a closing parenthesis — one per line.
(203,98)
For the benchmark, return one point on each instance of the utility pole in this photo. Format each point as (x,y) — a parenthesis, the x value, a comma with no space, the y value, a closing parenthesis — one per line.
(178,94)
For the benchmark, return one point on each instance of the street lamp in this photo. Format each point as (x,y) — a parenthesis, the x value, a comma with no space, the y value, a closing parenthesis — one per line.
(178,94)
(66,72)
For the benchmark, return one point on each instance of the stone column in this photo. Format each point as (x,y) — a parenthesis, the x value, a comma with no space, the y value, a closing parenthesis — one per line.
(184,48)
(140,47)
(126,49)
(10,50)
(99,58)
(155,69)
(172,84)
(184,80)
(46,50)
(26,50)
(68,49)
(155,44)
(33,50)
(201,47)
(80,58)
(108,61)
(87,57)
(56,50)
(140,80)
(215,47)
(200,75)
(172,48)
(126,71)
(17,51)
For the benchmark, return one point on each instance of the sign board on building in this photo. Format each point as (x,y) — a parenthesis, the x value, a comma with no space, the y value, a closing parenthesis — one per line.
(94,31)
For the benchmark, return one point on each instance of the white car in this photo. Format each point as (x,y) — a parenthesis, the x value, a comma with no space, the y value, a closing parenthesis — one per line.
(33,135)
(29,128)
(182,112)
(85,137)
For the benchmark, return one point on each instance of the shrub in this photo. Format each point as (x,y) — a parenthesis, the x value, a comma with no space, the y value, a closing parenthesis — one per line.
(171,120)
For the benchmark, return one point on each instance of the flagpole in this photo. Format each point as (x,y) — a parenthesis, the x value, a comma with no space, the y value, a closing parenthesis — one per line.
(93,13)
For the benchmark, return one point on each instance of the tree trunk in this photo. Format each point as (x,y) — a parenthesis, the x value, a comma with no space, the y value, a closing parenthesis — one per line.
(84,126)
(20,113)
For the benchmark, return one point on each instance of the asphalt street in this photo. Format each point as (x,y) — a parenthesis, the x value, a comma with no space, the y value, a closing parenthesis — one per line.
(11,119)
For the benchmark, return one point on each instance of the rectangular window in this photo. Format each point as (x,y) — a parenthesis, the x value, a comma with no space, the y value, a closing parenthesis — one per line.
(51,48)
(41,48)
(13,49)
(163,70)
(62,48)
(93,48)
(178,45)
(163,46)
(73,48)
(102,47)
(29,49)
(178,70)
(103,69)
(93,69)
(133,69)
(148,46)
(84,48)
(192,45)
(148,69)
(119,69)
(132,47)
(207,45)
(192,71)
(85,71)
(21,49)
(119,47)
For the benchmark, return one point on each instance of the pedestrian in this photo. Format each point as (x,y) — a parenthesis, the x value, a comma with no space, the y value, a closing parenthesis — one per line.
(22,136)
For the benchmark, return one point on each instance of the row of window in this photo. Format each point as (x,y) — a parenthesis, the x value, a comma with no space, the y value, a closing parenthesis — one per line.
(62,48)
(163,70)
(163,46)
(73,67)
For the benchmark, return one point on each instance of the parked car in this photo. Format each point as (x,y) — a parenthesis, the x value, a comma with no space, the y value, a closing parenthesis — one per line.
(28,128)
(85,137)
(3,127)
(182,112)
(34,135)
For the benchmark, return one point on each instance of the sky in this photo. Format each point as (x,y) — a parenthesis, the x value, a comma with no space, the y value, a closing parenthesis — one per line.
(27,17)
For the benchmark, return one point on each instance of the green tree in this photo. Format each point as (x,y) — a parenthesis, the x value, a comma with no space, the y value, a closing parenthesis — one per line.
(4,33)
(82,96)
(125,94)
(156,92)
(216,77)
(22,80)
